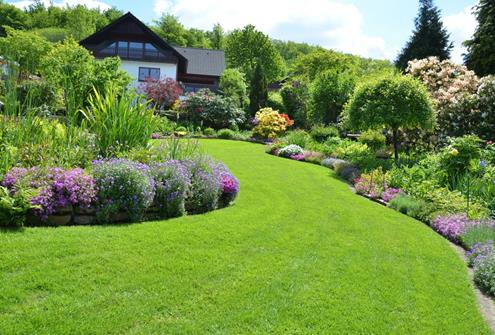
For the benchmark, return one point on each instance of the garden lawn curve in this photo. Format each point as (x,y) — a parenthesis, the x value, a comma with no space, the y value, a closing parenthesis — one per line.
(298,253)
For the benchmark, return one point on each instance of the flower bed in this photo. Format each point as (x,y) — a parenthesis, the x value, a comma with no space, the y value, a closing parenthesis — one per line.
(121,190)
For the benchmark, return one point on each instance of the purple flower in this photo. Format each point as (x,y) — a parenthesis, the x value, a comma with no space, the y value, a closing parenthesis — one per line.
(452,226)
(390,193)
(297,157)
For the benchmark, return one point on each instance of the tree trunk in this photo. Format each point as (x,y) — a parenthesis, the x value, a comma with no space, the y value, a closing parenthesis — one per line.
(395,135)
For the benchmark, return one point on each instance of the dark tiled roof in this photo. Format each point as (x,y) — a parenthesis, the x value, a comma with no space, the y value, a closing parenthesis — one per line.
(203,61)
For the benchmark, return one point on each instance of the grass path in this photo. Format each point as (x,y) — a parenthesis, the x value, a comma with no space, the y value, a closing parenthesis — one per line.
(297,254)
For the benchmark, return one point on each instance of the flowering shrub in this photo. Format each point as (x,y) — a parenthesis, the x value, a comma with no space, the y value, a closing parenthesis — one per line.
(207,109)
(164,93)
(371,184)
(456,158)
(229,185)
(485,97)
(269,123)
(172,183)
(291,150)
(451,86)
(205,187)
(452,226)
(390,194)
(56,188)
(123,185)
(288,121)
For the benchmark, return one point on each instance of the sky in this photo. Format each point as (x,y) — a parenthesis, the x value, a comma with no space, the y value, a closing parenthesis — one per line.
(370,28)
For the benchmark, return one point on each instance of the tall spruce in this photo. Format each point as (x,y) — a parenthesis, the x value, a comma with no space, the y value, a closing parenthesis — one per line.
(258,94)
(429,38)
(481,48)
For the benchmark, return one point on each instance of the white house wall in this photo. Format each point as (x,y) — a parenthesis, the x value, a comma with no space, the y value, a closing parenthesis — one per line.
(167,70)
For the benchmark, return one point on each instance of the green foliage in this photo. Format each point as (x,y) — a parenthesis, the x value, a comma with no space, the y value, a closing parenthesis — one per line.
(295,95)
(374,139)
(53,34)
(171,30)
(217,37)
(481,51)
(298,137)
(247,48)
(233,85)
(329,93)
(37,93)
(107,72)
(398,102)
(276,102)
(321,60)
(209,132)
(258,91)
(416,208)
(430,37)
(164,125)
(290,50)
(119,122)
(13,17)
(477,234)
(226,134)
(458,158)
(14,208)
(321,133)
(25,48)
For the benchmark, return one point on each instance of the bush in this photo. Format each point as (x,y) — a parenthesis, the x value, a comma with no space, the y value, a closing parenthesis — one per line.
(226,134)
(233,85)
(163,125)
(330,162)
(207,109)
(374,139)
(298,137)
(290,150)
(321,133)
(164,93)
(456,159)
(13,208)
(209,132)
(269,124)
(346,171)
(120,122)
(329,93)
(452,226)
(122,185)
(296,98)
(412,207)
(484,273)
(172,184)
(205,187)
(229,185)
(276,102)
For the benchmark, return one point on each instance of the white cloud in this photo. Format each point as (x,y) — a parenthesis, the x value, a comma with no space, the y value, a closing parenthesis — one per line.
(325,22)
(88,3)
(461,27)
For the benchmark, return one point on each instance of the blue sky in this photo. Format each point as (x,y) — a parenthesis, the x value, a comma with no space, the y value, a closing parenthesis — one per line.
(377,28)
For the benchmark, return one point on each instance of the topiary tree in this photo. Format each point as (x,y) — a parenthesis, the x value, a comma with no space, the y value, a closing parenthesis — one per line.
(329,93)
(395,103)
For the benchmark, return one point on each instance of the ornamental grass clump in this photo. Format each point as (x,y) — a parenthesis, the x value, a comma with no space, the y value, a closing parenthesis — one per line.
(123,186)
(172,183)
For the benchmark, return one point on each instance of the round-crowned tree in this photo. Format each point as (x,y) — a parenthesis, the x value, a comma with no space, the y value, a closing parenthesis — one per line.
(398,102)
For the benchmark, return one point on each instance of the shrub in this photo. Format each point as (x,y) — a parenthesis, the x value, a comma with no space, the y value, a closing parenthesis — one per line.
(374,139)
(233,85)
(456,159)
(122,185)
(321,133)
(371,184)
(479,251)
(296,98)
(229,185)
(346,171)
(209,132)
(485,98)
(163,92)
(172,184)
(276,102)
(390,194)
(313,157)
(13,208)
(269,124)
(275,147)
(329,93)
(452,226)
(226,134)
(298,137)
(330,162)
(412,207)
(205,187)
(163,125)
(290,150)
(120,122)
(208,109)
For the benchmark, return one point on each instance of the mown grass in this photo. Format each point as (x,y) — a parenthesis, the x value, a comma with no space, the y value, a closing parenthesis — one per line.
(297,254)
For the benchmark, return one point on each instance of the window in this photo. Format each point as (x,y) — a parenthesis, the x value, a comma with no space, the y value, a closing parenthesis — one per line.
(149,72)
(135,50)
(110,50)
(132,50)
(123,49)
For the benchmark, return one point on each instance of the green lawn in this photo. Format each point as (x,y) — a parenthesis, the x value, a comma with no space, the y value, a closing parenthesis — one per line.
(297,254)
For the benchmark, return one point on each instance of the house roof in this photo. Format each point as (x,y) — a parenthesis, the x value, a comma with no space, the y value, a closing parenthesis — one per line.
(204,62)
(100,34)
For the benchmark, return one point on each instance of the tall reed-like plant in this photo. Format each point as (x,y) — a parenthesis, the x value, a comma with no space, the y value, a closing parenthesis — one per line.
(120,120)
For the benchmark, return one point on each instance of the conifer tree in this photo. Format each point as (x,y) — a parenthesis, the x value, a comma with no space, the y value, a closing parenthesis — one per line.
(258,94)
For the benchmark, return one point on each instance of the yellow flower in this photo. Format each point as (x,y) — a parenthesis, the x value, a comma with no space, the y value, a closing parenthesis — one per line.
(454,152)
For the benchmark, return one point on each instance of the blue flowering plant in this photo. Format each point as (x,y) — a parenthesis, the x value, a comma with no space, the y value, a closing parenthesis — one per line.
(205,187)
(123,186)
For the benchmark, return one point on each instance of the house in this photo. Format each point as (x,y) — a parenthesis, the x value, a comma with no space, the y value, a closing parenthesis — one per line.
(145,55)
